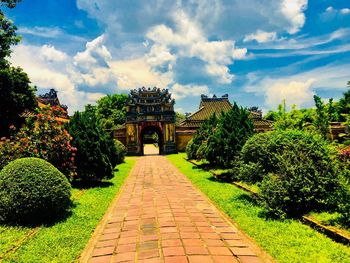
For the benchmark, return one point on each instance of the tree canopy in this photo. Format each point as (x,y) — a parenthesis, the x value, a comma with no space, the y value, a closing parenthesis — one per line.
(111,111)
(9,3)
(16,94)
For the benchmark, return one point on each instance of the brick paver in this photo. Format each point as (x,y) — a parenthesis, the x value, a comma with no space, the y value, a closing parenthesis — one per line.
(160,216)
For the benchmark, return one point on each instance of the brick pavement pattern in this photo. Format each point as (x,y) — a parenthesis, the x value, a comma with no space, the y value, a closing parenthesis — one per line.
(160,216)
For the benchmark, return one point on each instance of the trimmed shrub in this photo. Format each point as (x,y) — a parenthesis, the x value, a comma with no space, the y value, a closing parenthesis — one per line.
(96,152)
(196,146)
(344,193)
(232,131)
(189,150)
(32,191)
(121,151)
(303,174)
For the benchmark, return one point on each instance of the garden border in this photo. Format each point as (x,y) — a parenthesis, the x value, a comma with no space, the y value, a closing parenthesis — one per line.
(329,232)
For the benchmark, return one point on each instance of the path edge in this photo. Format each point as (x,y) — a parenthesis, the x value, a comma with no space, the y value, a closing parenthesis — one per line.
(85,255)
(261,253)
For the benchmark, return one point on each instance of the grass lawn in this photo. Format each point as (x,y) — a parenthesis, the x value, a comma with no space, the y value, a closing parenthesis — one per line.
(64,241)
(286,241)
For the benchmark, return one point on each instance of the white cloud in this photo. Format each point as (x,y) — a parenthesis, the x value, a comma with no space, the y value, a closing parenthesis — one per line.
(46,32)
(183,91)
(330,9)
(51,54)
(160,55)
(188,40)
(222,73)
(345,11)
(137,73)
(95,53)
(49,33)
(331,13)
(293,10)
(298,88)
(261,36)
(294,92)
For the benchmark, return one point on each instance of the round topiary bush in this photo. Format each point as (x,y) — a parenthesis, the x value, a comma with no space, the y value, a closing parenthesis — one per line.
(32,191)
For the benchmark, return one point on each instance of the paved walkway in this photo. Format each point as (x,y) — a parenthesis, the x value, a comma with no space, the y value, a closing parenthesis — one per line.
(160,217)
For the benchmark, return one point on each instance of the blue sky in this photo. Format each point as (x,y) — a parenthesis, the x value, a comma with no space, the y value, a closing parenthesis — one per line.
(258,51)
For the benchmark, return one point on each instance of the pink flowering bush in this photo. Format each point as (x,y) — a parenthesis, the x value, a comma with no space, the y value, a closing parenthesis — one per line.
(43,137)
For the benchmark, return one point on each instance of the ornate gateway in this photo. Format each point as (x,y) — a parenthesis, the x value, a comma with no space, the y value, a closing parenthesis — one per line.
(150,111)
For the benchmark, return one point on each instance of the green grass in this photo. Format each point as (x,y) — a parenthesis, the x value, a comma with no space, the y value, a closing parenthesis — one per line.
(286,241)
(64,241)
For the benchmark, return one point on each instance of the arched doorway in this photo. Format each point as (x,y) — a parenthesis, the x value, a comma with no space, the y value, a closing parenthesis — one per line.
(151,140)
(148,112)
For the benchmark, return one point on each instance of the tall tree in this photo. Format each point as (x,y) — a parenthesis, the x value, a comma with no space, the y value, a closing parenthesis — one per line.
(322,117)
(16,94)
(111,111)
(8,37)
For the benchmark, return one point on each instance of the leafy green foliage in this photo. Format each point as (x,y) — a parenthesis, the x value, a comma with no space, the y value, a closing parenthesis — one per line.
(201,137)
(225,143)
(8,37)
(179,117)
(111,111)
(96,152)
(16,96)
(43,137)
(344,193)
(65,240)
(343,106)
(287,241)
(301,167)
(121,151)
(294,119)
(322,117)
(32,191)
(10,3)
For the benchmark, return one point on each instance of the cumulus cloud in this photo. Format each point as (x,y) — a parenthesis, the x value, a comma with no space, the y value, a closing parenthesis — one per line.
(261,36)
(51,54)
(298,88)
(188,40)
(293,10)
(183,91)
(49,68)
(294,92)
(95,54)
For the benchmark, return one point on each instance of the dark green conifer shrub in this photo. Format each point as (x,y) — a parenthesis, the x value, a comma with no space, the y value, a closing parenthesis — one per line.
(121,151)
(96,151)
(232,131)
(32,191)
(196,146)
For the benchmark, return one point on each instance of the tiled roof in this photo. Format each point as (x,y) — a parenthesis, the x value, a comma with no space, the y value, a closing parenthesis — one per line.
(207,108)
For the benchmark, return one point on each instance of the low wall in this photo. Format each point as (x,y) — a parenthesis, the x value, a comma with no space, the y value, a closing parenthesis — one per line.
(183,136)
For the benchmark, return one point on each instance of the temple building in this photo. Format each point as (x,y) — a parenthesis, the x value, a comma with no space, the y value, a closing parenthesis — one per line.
(150,114)
(207,107)
(50,99)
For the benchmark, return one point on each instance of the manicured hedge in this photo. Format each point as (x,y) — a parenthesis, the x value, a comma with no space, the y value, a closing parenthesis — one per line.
(32,191)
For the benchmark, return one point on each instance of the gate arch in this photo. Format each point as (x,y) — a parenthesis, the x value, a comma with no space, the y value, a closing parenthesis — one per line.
(149,109)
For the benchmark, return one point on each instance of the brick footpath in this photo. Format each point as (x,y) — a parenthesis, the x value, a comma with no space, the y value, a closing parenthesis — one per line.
(160,216)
